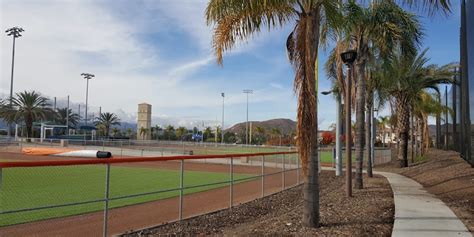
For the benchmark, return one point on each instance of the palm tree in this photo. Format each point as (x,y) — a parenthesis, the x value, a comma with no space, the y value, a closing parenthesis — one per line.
(143,131)
(169,131)
(240,19)
(180,132)
(383,122)
(157,131)
(425,105)
(129,132)
(115,131)
(107,120)
(28,107)
(375,30)
(406,78)
(207,133)
(63,115)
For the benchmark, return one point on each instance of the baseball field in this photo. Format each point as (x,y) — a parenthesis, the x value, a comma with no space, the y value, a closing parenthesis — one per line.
(25,188)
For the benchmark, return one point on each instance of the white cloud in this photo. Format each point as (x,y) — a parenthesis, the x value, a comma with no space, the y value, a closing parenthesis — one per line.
(64,38)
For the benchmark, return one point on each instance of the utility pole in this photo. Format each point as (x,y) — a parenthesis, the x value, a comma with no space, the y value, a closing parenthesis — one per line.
(247,91)
(15,32)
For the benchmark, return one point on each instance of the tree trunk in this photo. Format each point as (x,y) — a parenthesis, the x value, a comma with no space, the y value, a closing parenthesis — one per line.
(368,134)
(403,123)
(308,120)
(360,122)
(412,138)
(383,136)
(29,127)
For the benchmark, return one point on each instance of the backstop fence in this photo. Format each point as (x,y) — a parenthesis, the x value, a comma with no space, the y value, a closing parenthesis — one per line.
(102,197)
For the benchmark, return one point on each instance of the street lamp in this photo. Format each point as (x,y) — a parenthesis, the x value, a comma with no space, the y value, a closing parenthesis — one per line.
(222,127)
(247,124)
(338,131)
(15,32)
(348,58)
(87,76)
(374,134)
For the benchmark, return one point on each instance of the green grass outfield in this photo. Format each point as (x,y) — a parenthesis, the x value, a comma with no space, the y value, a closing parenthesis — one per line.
(326,156)
(24,188)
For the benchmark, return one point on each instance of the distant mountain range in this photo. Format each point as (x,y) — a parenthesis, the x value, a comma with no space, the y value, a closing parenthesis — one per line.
(286,126)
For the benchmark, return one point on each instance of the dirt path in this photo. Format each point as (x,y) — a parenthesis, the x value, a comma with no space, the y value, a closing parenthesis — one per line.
(368,213)
(157,212)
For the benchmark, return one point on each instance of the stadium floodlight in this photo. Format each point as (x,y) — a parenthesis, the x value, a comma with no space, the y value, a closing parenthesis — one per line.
(87,76)
(247,91)
(15,32)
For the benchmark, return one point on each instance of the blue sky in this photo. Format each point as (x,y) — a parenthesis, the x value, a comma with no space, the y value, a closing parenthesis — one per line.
(159,51)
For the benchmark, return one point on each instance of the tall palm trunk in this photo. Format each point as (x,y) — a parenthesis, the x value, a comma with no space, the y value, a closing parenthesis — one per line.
(368,133)
(403,124)
(419,135)
(360,122)
(29,126)
(308,117)
(383,135)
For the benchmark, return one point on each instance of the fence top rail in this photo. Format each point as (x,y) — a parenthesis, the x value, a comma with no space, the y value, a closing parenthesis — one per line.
(15,164)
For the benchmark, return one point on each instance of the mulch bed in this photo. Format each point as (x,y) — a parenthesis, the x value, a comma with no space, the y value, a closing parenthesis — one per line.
(369,213)
(447,176)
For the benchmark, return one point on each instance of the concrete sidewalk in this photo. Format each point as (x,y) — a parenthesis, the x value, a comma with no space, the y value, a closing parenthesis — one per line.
(419,213)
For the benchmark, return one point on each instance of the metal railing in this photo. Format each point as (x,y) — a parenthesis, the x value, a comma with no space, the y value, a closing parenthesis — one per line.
(43,215)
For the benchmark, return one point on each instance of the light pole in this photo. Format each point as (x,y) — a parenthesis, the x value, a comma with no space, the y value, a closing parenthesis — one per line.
(374,133)
(247,124)
(15,32)
(67,116)
(87,76)
(348,58)
(446,136)
(222,127)
(338,131)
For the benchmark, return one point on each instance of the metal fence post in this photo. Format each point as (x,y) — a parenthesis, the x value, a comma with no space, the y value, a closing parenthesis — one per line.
(297,170)
(121,148)
(231,182)
(263,176)
(181,191)
(1,179)
(103,145)
(283,174)
(106,208)
(142,152)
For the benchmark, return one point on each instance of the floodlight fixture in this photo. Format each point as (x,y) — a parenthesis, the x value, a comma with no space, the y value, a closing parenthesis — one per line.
(14,31)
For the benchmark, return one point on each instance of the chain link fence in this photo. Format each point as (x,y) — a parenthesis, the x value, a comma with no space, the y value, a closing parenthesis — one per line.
(102,197)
